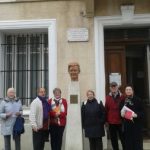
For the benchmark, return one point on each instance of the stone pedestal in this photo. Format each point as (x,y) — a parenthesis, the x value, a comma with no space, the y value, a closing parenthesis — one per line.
(74,139)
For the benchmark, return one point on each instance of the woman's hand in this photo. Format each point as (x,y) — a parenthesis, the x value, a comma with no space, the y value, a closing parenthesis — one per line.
(57,114)
(17,113)
(9,114)
(122,113)
(34,129)
(134,115)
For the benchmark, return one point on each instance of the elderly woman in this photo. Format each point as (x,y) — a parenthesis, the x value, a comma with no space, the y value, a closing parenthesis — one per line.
(38,117)
(93,119)
(10,108)
(57,119)
(132,113)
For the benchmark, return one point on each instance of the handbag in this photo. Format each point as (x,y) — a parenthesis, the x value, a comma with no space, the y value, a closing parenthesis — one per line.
(18,128)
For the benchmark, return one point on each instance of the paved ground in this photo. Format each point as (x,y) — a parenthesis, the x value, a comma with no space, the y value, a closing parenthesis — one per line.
(27,142)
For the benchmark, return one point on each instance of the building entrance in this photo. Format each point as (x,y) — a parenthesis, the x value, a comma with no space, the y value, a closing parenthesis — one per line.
(127,60)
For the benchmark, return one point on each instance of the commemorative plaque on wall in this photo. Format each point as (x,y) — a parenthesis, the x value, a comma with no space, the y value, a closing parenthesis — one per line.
(77,35)
(73,99)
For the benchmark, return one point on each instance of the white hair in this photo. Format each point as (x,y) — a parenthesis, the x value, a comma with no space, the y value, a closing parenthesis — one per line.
(11,90)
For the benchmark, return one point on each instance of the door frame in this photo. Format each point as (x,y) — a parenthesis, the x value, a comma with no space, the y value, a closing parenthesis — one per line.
(148,65)
(110,22)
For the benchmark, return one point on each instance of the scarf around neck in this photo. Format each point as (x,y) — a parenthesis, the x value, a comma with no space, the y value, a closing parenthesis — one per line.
(46,107)
(57,104)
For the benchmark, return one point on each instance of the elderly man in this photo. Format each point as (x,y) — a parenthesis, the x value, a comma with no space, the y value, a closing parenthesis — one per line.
(113,116)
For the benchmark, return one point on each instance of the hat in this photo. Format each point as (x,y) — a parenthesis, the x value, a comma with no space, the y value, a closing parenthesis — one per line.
(113,84)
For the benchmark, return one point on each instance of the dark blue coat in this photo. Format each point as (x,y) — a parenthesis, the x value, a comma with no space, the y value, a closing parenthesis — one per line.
(93,118)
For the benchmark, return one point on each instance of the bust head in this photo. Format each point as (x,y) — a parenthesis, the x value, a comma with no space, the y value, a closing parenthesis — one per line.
(74,70)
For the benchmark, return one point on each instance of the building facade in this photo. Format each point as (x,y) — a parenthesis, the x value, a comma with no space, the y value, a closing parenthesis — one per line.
(35,48)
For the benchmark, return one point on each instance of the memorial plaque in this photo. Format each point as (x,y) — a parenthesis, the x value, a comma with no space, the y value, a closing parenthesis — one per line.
(78,35)
(73,99)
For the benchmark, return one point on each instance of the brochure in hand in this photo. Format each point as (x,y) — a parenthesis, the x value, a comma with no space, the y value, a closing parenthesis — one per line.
(128,113)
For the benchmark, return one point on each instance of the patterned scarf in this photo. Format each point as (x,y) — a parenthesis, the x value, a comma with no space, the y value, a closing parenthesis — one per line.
(58,107)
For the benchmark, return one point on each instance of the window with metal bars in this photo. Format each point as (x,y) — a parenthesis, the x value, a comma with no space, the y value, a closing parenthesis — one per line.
(25,65)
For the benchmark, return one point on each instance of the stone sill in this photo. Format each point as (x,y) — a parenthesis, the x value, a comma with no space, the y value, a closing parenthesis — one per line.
(17,1)
(20,1)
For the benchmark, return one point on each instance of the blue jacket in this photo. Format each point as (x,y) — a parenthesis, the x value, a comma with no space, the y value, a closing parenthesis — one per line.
(7,106)
(93,118)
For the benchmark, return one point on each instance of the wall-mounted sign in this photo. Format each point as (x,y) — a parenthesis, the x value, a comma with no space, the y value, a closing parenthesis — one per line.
(115,77)
(78,35)
(73,99)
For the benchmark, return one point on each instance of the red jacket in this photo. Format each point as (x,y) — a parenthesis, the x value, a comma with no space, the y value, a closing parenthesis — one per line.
(61,119)
(112,108)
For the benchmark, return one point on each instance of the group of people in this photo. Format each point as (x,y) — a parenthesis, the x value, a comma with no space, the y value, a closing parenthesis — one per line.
(123,124)
(48,117)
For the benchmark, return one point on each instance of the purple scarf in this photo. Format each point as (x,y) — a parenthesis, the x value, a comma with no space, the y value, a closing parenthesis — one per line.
(46,107)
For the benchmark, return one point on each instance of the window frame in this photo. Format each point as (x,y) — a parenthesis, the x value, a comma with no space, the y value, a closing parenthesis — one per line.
(44,24)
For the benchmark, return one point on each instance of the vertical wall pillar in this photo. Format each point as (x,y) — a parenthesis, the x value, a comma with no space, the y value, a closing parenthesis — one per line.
(52,57)
(100,66)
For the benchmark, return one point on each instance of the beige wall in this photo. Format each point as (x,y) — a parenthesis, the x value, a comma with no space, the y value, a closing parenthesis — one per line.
(67,15)
(112,7)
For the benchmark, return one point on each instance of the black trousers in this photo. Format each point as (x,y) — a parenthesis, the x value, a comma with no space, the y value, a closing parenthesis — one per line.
(56,134)
(7,142)
(133,137)
(115,131)
(96,144)
(39,139)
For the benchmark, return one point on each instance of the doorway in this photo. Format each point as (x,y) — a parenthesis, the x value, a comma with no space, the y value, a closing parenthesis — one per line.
(137,70)
(127,61)
(126,55)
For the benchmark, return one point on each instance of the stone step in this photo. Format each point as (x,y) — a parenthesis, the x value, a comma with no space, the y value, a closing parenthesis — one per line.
(146,144)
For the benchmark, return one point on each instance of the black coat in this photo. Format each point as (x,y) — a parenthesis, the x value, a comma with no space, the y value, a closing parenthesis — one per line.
(133,129)
(136,105)
(93,118)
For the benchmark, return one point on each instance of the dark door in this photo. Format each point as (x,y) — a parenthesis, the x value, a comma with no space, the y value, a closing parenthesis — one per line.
(115,63)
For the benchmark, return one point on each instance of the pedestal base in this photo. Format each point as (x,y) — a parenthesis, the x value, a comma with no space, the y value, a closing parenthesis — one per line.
(74,138)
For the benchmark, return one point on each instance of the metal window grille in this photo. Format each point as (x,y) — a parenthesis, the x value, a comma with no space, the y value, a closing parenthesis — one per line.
(25,65)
